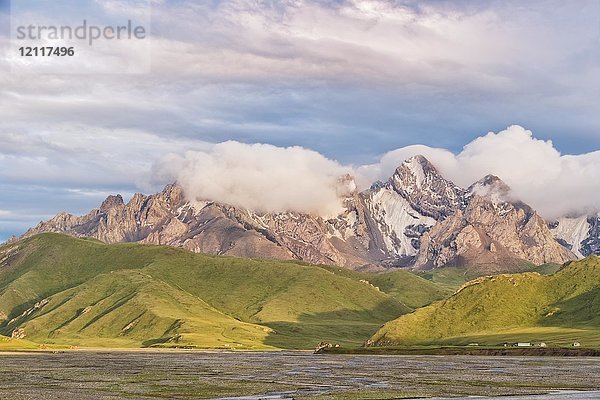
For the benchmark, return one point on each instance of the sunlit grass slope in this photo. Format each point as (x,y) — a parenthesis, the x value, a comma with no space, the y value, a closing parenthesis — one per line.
(9,344)
(62,290)
(404,286)
(557,309)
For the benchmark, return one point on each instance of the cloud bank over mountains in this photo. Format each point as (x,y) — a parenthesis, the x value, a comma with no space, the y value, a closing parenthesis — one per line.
(261,177)
(85,166)
(554,184)
(269,178)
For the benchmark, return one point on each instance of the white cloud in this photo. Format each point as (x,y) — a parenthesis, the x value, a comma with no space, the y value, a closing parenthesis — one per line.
(261,177)
(269,178)
(554,184)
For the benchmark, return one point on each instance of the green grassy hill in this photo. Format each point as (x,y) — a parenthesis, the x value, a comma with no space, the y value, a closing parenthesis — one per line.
(406,287)
(60,290)
(452,278)
(558,309)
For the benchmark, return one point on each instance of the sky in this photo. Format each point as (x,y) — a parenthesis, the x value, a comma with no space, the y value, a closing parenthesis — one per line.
(343,84)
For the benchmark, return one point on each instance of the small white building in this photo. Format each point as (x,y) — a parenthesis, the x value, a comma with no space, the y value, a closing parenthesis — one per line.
(576,344)
(523,344)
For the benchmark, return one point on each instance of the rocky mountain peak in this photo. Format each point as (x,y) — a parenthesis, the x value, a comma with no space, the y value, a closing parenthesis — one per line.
(137,200)
(173,194)
(11,240)
(416,171)
(112,202)
(492,181)
(427,191)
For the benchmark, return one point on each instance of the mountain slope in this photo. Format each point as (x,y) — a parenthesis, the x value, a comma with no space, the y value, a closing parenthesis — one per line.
(558,309)
(491,237)
(416,219)
(59,289)
(406,287)
(128,307)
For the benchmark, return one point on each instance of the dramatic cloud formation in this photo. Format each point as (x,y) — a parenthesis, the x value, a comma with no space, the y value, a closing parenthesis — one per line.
(261,177)
(268,178)
(350,79)
(335,76)
(554,184)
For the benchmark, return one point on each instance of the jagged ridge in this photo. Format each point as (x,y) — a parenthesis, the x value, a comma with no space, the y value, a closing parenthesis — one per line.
(417,218)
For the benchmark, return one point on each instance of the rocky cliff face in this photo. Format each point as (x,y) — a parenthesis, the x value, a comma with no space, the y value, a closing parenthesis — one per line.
(490,237)
(417,218)
(427,192)
(492,231)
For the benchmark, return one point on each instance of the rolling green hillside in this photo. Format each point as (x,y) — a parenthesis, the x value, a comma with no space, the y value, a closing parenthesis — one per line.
(558,309)
(406,287)
(56,289)
(452,278)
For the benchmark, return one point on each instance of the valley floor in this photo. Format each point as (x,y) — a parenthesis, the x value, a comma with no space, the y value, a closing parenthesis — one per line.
(284,375)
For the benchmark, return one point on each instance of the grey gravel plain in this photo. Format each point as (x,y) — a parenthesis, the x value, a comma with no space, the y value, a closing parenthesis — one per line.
(84,375)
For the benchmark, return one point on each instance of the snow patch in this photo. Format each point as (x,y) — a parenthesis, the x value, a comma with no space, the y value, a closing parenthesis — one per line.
(344,226)
(416,169)
(573,231)
(394,214)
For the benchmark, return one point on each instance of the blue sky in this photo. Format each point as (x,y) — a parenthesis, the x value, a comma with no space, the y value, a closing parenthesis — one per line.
(351,79)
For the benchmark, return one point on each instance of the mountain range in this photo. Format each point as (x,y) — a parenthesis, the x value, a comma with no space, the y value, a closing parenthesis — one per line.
(120,276)
(416,219)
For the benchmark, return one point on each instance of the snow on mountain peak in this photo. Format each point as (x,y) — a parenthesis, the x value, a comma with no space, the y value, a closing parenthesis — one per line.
(428,192)
(415,166)
(414,174)
(419,168)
